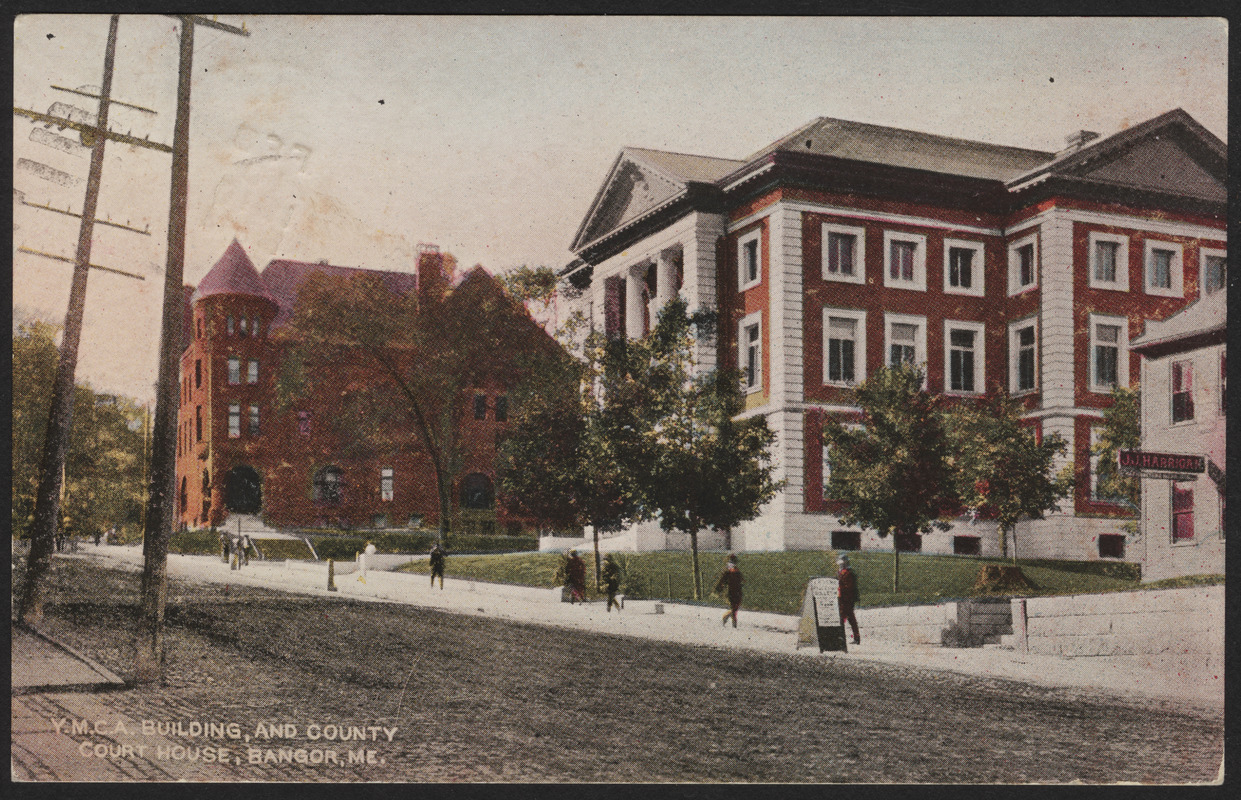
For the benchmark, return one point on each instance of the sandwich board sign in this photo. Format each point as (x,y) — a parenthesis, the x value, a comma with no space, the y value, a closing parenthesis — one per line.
(820,617)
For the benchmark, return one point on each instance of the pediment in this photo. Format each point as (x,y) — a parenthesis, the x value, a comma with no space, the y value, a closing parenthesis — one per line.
(631,189)
(1161,163)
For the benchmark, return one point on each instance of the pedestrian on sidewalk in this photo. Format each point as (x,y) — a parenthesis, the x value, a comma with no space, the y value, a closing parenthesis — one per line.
(438,557)
(576,569)
(246,544)
(731,579)
(611,580)
(846,591)
(225,545)
(369,550)
(98,536)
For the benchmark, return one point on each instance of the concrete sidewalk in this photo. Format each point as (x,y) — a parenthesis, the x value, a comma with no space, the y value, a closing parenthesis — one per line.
(1191,678)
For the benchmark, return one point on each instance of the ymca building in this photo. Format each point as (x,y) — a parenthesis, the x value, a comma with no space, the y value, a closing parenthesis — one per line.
(843,247)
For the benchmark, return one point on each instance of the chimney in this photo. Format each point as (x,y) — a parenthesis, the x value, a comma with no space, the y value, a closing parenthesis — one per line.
(435,273)
(1077,140)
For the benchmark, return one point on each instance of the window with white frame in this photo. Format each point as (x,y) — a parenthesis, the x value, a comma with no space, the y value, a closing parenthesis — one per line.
(750,351)
(904,260)
(230,327)
(844,346)
(234,420)
(1109,261)
(963,267)
(234,370)
(1023,264)
(1182,511)
(905,340)
(1163,269)
(1096,432)
(749,260)
(252,372)
(1023,356)
(1213,269)
(386,483)
(1109,352)
(844,253)
(254,420)
(827,454)
(1182,391)
(963,357)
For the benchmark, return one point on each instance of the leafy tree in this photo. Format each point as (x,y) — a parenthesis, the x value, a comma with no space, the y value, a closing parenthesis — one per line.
(893,472)
(406,359)
(1121,430)
(707,468)
(1001,468)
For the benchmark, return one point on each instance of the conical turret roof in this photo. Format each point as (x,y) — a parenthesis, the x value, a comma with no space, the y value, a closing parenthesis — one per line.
(234,273)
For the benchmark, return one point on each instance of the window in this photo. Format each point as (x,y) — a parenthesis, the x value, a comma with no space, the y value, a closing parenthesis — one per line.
(749,271)
(846,540)
(477,491)
(1109,261)
(1182,391)
(327,487)
(198,424)
(963,356)
(1111,545)
(254,326)
(1022,356)
(234,370)
(230,326)
(1182,511)
(1023,264)
(1096,433)
(502,408)
(827,456)
(844,346)
(750,339)
(385,483)
(906,340)
(198,373)
(963,267)
(614,307)
(252,373)
(966,545)
(254,420)
(198,328)
(303,423)
(1109,353)
(1163,269)
(844,253)
(907,542)
(904,256)
(245,326)
(480,406)
(1214,270)
(234,420)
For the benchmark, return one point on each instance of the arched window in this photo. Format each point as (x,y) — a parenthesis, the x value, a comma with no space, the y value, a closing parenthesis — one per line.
(206,484)
(477,491)
(328,486)
(184,500)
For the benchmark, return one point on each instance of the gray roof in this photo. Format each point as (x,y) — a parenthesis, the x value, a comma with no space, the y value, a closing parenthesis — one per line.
(686,168)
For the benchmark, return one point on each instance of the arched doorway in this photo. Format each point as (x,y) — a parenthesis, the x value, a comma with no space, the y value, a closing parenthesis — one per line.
(477,492)
(243,492)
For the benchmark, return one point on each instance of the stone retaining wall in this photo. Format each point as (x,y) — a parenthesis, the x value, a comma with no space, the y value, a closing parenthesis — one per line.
(961,623)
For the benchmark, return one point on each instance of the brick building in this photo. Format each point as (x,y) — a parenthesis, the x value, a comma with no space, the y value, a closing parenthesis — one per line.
(240,451)
(845,246)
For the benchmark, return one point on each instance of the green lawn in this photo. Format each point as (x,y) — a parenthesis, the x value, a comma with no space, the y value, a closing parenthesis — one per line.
(775,581)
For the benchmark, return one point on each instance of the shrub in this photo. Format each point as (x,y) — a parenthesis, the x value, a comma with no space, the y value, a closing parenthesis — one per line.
(477,543)
(195,543)
(284,549)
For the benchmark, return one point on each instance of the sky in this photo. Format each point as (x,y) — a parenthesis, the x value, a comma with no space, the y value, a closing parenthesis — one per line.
(354,139)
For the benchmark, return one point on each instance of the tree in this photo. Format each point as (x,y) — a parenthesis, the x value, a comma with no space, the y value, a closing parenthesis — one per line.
(892,472)
(1121,430)
(708,469)
(1002,470)
(410,358)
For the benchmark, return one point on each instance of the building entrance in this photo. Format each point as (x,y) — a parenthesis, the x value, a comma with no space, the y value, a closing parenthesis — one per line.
(243,493)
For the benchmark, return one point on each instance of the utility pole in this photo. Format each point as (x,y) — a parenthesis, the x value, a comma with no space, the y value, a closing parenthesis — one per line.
(149,655)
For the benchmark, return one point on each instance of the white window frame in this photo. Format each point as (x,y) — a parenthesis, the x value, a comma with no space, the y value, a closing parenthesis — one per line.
(1121,284)
(254,422)
(859,253)
(1203,254)
(978,271)
(859,346)
(1122,354)
(755,236)
(755,319)
(386,493)
(234,420)
(252,371)
(1015,286)
(980,346)
(234,370)
(919,242)
(1014,355)
(1176,269)
(889,320)
(1189,364)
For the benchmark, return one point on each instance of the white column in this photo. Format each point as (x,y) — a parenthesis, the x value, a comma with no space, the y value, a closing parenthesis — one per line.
(665,278)
(633,302)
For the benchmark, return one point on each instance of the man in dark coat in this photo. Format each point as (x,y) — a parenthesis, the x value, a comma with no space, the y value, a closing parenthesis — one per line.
(437,564)
(577,578)
(731,579)
(611,581)
(846,590)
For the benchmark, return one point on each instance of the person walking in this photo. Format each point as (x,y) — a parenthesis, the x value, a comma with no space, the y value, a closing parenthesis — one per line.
(611,581)
(577,578)
(437,564)
(246,544)
(731,579)
(367,551)
(846,591)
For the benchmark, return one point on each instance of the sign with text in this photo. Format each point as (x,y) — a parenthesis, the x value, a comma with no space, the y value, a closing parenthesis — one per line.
(820,616)
(1166,462)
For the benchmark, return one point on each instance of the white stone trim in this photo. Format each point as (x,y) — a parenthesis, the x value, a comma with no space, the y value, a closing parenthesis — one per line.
(889,319)
(743,351)
(1176,268)
(852,213)
(980,350)
(1058,345)
(919,242)
(754,237)
(1121,283)
(859,253)
(1122,351)
(979,267)
(1014,264)
(1144,224)
(859,347)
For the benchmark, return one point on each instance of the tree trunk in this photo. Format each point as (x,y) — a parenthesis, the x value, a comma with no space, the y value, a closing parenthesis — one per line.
(1012,536)
(598,565)
(693,543)
(896,567)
